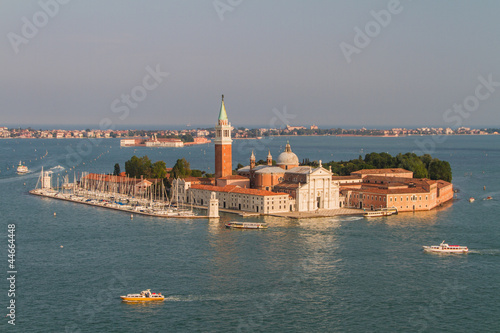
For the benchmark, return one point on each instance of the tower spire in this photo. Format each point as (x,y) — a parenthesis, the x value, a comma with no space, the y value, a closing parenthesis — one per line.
(222,113)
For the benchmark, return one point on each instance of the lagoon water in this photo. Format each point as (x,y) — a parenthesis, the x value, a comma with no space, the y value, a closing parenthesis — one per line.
(342,274)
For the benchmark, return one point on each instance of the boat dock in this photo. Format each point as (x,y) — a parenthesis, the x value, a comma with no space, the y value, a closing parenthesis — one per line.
(171,213)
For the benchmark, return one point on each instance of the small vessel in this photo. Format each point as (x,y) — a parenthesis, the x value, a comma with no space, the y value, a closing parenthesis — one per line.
(445,248)
(488,198)
(246,225)
(21,169)
(144,296)
(471,199)
(381,212)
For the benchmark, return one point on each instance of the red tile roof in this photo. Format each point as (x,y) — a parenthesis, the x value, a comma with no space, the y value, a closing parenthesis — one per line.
(236,189)
(379,171)
(233,177)
(110,178)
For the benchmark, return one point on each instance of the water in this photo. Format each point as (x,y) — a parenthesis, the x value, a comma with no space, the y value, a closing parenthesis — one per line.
(341,274)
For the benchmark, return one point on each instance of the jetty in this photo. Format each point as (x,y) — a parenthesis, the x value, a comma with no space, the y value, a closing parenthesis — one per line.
(89,193)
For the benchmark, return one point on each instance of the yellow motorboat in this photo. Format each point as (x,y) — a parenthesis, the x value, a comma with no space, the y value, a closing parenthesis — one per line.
(144,296)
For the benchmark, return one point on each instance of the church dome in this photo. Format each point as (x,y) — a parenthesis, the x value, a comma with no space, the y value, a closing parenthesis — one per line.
(287,157)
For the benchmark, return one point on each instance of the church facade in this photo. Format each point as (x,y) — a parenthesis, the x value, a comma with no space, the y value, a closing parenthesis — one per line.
(264,189)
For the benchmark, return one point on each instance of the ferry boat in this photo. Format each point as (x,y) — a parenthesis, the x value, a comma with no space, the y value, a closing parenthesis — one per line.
(381,212)
(445,248)
(246,225)
(21,169)
(144,296)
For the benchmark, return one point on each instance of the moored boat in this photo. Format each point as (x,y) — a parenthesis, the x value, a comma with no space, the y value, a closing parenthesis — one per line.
(246,225)
(21,169)
(445,248)
(144,296)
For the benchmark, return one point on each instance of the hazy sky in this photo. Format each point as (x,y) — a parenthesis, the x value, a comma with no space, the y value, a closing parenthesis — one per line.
(330,63)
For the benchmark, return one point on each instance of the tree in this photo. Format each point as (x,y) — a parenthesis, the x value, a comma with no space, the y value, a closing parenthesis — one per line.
(440,170)
(159,170)
(196,173)
(117,170)
(137,167)
(181,169)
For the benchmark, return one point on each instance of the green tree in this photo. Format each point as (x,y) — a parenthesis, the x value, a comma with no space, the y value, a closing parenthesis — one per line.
(440,170)
(137,167)
(116,172)
(196,173)
(181,169)
(159,170)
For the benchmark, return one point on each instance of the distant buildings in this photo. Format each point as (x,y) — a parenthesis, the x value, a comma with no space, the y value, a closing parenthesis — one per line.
(262,189)
(384,188)
(286,186)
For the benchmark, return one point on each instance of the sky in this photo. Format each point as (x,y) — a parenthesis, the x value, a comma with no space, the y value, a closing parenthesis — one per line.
(352,64)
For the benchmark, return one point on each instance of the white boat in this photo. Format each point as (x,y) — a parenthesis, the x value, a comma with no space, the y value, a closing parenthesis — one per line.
(471,199)
(445,248)
(21,169)
(381,212)
(246,225)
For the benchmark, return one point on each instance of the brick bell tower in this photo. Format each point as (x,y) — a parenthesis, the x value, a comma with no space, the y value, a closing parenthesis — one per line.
(223,145)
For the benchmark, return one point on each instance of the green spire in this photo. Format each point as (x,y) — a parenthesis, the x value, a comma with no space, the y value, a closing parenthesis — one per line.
(222,113)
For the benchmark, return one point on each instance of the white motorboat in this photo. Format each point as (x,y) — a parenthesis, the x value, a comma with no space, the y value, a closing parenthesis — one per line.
(22,169)
(445,248)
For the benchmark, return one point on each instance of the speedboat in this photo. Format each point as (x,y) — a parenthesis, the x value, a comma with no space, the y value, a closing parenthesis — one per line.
(144,296)
(445,248)
(246,225)
(21,169)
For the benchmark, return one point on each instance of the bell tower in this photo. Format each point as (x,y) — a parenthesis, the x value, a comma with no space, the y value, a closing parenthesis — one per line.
(223,145)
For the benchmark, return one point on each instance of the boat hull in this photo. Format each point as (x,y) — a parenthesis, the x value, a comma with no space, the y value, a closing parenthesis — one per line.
(447,251)
(142,299)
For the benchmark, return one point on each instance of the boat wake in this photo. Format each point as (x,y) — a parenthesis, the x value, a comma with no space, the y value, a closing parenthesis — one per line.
(57,168)
(486,252)
(352,218)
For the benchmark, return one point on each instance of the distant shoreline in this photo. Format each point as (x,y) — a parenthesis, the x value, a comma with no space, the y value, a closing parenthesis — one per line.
(284,135)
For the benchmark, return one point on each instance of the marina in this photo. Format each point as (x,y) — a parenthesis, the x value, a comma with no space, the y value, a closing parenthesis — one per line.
(83,193)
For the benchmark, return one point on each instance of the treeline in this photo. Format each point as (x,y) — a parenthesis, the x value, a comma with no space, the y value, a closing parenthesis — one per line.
(182,169)
(138,167)
(422,166)
(142,166)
